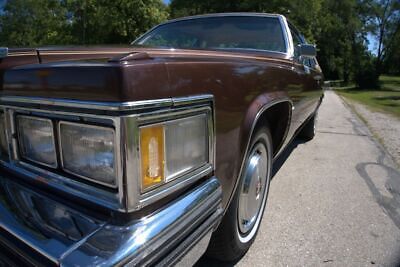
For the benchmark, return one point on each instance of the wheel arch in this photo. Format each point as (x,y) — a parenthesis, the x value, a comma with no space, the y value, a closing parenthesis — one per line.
(264,111)
(275,113)
(277,117)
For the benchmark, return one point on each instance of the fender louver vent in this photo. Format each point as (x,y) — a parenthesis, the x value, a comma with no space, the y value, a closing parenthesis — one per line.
(3,52)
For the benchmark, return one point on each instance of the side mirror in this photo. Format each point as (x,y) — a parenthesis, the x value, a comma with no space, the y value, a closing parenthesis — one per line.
(307,50)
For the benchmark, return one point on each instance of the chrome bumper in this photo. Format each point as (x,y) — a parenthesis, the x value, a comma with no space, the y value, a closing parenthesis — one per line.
(44,231)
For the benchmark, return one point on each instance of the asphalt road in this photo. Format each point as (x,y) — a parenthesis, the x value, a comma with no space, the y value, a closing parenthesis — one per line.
(334,201)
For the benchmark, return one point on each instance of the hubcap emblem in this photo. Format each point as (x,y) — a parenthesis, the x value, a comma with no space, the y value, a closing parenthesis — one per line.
(258,186)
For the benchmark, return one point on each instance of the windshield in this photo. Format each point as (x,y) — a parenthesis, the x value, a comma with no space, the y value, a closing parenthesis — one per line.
(216,33)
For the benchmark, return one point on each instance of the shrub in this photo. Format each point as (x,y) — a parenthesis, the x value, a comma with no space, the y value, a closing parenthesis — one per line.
(366,77)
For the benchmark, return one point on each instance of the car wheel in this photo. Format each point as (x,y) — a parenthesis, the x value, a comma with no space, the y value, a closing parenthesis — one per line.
(309,129)
(241,222)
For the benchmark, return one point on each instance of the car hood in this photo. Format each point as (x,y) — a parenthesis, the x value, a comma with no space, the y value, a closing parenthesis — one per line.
(116,74)
(95,73)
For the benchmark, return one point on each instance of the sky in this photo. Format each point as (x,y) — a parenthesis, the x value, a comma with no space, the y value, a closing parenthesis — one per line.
(165,1)
(372,44)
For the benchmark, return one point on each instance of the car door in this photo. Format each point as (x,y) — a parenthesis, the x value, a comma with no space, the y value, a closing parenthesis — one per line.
(308,85)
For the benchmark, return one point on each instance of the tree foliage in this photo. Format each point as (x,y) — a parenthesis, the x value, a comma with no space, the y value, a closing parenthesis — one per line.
(341,40)
(117,21)
(382,18)
(392,62)
(34,22)
(52,22)
(339,28)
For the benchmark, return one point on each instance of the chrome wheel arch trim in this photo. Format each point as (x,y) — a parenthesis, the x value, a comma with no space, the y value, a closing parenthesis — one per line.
(260,112)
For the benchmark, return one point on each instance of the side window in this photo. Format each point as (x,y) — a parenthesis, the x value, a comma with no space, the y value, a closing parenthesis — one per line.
(172,39)
(296,40)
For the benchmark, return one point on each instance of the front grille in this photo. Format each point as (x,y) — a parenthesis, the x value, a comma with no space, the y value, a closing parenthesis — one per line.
(16,253)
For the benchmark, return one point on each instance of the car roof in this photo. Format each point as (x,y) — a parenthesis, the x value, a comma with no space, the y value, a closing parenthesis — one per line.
(231,14)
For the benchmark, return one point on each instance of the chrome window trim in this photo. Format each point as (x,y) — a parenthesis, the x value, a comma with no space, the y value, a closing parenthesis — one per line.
(288,36)
(17,116)
(281,18)
(127,198)
(115,185)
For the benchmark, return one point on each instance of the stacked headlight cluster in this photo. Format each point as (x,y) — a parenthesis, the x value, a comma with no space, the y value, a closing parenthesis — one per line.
(85,151)
(168,150)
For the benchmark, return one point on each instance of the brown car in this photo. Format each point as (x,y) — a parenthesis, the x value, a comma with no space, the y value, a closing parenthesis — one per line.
(155,153)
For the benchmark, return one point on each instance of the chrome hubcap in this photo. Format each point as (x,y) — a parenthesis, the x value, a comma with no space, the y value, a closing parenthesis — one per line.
(253,188)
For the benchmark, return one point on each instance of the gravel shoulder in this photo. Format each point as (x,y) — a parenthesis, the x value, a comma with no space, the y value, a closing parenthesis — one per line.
(385,127)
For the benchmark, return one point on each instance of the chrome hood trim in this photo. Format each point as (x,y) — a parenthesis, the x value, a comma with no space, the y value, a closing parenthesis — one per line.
(105,106)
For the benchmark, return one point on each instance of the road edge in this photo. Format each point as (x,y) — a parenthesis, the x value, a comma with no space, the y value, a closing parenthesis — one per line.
(375,136)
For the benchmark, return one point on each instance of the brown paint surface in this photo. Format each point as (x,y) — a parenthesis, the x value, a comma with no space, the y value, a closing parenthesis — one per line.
(241,84)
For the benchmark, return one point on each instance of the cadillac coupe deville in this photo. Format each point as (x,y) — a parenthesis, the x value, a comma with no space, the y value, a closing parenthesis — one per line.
(154,153)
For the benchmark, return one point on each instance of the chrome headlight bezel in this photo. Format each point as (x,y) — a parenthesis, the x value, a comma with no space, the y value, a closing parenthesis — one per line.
(21,145)
(125,118)
(147,197)
(168,177)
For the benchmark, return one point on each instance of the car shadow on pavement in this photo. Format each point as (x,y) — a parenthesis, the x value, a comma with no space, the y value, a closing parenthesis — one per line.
(281,159)
(278,163)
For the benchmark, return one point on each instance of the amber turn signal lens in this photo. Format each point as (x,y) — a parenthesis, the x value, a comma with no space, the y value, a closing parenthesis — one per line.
(152,156)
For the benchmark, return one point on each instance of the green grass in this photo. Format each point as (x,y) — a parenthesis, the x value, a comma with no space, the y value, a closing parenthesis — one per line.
(386,99)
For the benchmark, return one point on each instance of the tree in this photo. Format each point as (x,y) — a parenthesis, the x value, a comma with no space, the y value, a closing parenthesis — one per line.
(341,41)
(392,60)
(61,22)
(116,22)
(33,23)
(382,17)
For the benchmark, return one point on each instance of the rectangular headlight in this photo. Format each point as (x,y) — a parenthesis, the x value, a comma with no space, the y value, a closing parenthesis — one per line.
(36,140)
(88,152)
(3,137)
(172,148)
